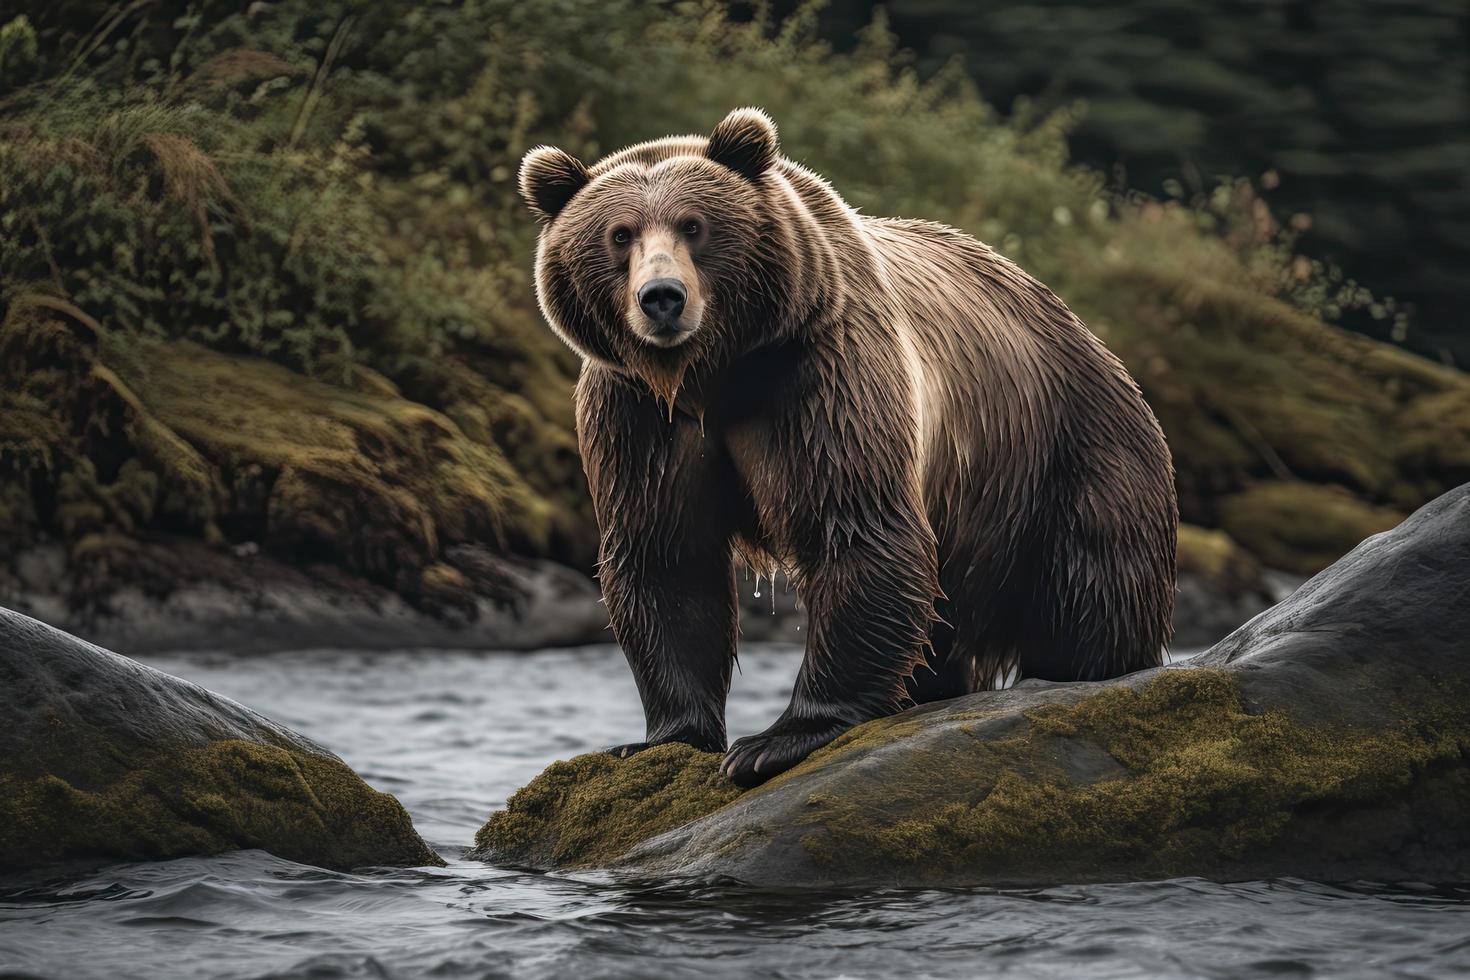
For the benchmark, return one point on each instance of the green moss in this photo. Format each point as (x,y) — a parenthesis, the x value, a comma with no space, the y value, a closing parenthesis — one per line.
(1301,527)
(1176,777)
(1249,389)
(205,799)
(1190,780)
(1284,385)
(131,432)
(341,455)
(523,403)
(594,808)
(193,488)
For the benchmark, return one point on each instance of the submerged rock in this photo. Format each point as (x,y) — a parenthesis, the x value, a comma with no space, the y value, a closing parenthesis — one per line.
(1326,739)
(104,758)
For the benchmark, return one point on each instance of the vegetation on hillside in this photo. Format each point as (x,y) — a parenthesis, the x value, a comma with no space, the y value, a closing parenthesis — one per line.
(264,276)
(1356,109)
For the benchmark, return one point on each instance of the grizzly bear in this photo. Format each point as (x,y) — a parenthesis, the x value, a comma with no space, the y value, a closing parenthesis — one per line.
(960,480)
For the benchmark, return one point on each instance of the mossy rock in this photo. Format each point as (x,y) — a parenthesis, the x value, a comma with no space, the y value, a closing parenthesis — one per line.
(595,807)
(1248,388)
(1253,393)
(102,758)
(1328,739)
(372,481)
(1172,777)
(131,436)
(1301,527)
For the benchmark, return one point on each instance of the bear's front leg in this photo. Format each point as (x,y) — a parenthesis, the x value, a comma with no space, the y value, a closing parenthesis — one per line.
(831,457)
(869,610)
(662,499)
(675,620)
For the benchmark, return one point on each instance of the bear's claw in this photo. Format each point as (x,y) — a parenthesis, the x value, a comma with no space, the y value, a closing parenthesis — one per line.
(755,758)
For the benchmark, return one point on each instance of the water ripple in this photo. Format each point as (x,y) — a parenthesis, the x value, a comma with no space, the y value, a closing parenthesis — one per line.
(453,734)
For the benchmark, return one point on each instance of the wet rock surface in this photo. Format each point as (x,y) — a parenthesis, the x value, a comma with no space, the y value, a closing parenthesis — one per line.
(1326,739)
(103,758)
(163,593)
(187,596)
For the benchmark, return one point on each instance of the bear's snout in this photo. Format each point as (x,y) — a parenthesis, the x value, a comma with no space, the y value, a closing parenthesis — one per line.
(662,300)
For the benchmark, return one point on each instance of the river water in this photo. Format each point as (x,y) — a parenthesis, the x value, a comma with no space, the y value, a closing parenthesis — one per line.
(453,734)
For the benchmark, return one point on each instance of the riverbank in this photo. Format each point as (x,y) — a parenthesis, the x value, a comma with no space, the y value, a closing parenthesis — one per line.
(241,601)
(176,593)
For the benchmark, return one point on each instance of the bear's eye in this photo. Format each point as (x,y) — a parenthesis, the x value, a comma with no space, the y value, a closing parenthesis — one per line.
(691,228)
(621,236)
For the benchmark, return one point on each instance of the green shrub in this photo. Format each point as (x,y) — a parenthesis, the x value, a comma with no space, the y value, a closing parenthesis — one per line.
(332,186)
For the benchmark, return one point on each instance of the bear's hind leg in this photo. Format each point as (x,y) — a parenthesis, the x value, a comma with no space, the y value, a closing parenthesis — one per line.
(1104,610)
(948,669)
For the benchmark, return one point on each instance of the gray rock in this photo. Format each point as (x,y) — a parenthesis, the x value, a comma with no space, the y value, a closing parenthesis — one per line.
(246,602)
(104,758)
(1328,739)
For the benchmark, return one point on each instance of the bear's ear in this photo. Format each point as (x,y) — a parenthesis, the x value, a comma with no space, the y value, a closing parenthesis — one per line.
(745,141)
(549,179)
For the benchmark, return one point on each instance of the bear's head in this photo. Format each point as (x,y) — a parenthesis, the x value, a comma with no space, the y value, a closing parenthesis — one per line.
(663,255)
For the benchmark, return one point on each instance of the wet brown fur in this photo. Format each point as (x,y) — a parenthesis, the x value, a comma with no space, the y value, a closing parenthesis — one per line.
(959,478)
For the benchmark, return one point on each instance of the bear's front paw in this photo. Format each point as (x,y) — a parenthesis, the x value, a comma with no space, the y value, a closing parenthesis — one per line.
(755,758)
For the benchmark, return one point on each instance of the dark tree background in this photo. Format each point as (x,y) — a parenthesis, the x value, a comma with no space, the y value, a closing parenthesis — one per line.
(1361,108)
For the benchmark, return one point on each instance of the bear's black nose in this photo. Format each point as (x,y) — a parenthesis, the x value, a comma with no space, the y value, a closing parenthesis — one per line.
(662,300)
